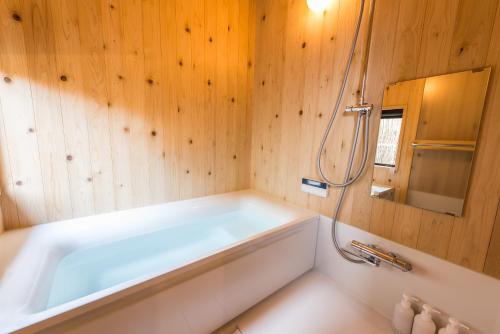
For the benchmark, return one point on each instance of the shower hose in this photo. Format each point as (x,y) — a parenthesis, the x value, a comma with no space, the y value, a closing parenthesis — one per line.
(362,117)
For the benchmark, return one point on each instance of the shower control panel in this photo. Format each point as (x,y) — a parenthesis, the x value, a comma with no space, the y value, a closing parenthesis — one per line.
(314,187)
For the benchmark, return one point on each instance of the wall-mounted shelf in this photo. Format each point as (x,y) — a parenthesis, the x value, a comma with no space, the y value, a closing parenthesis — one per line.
(445,145)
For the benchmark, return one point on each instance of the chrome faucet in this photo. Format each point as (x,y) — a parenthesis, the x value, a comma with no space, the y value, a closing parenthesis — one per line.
(374,255)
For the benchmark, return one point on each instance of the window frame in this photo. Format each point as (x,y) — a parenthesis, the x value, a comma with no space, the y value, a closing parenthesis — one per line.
(393,113)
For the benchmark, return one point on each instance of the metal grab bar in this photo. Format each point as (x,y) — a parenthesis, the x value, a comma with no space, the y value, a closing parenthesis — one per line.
(375,255)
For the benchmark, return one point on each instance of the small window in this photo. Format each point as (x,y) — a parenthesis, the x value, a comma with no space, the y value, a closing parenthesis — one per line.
(388,137)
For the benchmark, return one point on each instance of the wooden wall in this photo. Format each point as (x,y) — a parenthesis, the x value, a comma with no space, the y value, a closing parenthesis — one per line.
(113,104)
(300,58)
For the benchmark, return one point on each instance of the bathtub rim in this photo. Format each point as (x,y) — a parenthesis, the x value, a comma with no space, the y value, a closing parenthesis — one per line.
(163,280)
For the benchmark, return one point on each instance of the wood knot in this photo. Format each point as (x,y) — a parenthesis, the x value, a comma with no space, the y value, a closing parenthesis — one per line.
(264,17)
(301,112)
(63,78)
(304,44)
(232,100)
(7,80)
(16,17)
(178,109)
(276,116)
(109,104)
(263,83)
(150,81)
(249,64)
(89,179)
(209,82)
(210,39)
(120,77)
(31,130)
(19,183)
(187,171)
(190,141)
(320,115)
(126,129)
(187,29)
(228,28)
(234,157)
(153,133)
(112,6)
(209,173)
(181,63)
(69,157)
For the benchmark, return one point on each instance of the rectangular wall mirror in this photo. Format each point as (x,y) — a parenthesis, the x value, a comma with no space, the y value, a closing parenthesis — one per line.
(427,138)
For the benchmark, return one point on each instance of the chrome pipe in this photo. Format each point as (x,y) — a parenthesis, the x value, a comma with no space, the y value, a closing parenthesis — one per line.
(366,55)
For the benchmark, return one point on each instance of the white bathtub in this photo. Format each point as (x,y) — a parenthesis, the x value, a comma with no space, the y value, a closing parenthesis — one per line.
(76,270)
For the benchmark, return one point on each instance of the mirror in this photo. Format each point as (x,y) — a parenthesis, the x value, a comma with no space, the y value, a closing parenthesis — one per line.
(427,137)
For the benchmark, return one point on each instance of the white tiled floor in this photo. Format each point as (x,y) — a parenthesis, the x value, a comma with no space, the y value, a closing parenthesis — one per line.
(312,305)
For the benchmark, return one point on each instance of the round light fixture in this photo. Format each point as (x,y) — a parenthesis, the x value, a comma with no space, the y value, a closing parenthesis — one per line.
(318,6)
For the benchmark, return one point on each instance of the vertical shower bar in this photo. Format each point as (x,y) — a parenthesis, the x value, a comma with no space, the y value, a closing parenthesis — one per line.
(363,111)
(366,55)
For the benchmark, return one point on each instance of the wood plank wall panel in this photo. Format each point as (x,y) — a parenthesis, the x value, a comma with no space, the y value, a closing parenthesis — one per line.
(114,104)
(435,233)
(406,226)
(491,266)
(119,115)
(39,41)
(67,50)
(153,98)
(270,21)
(96,103)
(19,126)
(411,39)
(409,33)
(169,75)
